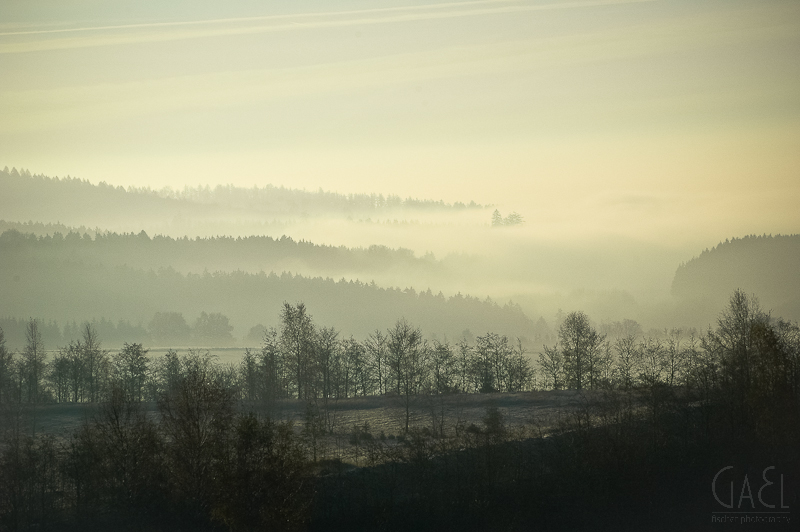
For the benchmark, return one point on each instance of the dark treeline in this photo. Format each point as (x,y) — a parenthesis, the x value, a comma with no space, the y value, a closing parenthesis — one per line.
(635,454)
(254,253)
(65,287)
(45,229)
(165,329)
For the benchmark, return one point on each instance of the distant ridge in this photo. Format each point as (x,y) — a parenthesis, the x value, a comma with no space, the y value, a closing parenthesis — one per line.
(73,201)
(72,285)
(767,266)
(42,243)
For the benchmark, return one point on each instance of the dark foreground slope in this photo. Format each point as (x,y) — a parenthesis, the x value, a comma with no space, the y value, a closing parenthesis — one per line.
(718,448)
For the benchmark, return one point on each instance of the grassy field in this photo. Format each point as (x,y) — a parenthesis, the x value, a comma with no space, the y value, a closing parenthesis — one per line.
(377,415)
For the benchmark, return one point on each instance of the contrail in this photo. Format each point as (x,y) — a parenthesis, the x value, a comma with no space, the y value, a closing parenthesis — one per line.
(417,13)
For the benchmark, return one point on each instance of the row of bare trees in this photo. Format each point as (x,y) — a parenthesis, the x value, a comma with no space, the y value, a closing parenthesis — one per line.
(585,359)
(746,349)
(305,361)
(300,360)
(81,371)
(645,440)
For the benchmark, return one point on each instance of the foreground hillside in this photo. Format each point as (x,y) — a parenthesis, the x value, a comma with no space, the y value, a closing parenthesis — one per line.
(628,454)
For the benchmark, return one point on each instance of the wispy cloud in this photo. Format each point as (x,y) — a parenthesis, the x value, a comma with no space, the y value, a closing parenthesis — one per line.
(33,110)
(52,39)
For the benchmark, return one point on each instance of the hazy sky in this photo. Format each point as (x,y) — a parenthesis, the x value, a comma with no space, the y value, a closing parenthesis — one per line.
(669,120)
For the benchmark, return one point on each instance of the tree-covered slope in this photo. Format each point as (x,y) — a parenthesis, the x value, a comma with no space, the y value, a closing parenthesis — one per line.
(70,285)
(767,266)
(74,201)
(195,255)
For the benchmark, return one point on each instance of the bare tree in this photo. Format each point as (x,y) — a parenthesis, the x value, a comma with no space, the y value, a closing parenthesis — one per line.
(408,358)
(131,369)
(551,361)
(377,350)
(196,415)
(95,363)
(580,344)
(628,360)
(58,376)
(297,342)
(273,366)
(249,376)
(442,367)
(7,371)
(33,362)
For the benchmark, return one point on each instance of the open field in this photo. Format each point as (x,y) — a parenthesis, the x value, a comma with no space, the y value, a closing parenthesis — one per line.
(379,414)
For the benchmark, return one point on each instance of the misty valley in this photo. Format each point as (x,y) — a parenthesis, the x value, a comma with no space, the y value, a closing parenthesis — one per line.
(399,265)
(154,376)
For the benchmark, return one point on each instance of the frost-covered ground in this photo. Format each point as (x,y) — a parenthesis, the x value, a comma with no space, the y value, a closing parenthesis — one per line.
(378,413)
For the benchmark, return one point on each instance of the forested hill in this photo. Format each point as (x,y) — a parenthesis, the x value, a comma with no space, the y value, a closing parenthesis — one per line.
(195,255)
(767,266)
(65,287)
(74,201)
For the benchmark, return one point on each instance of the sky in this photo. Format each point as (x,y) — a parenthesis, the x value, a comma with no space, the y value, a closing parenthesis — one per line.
(665,121)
